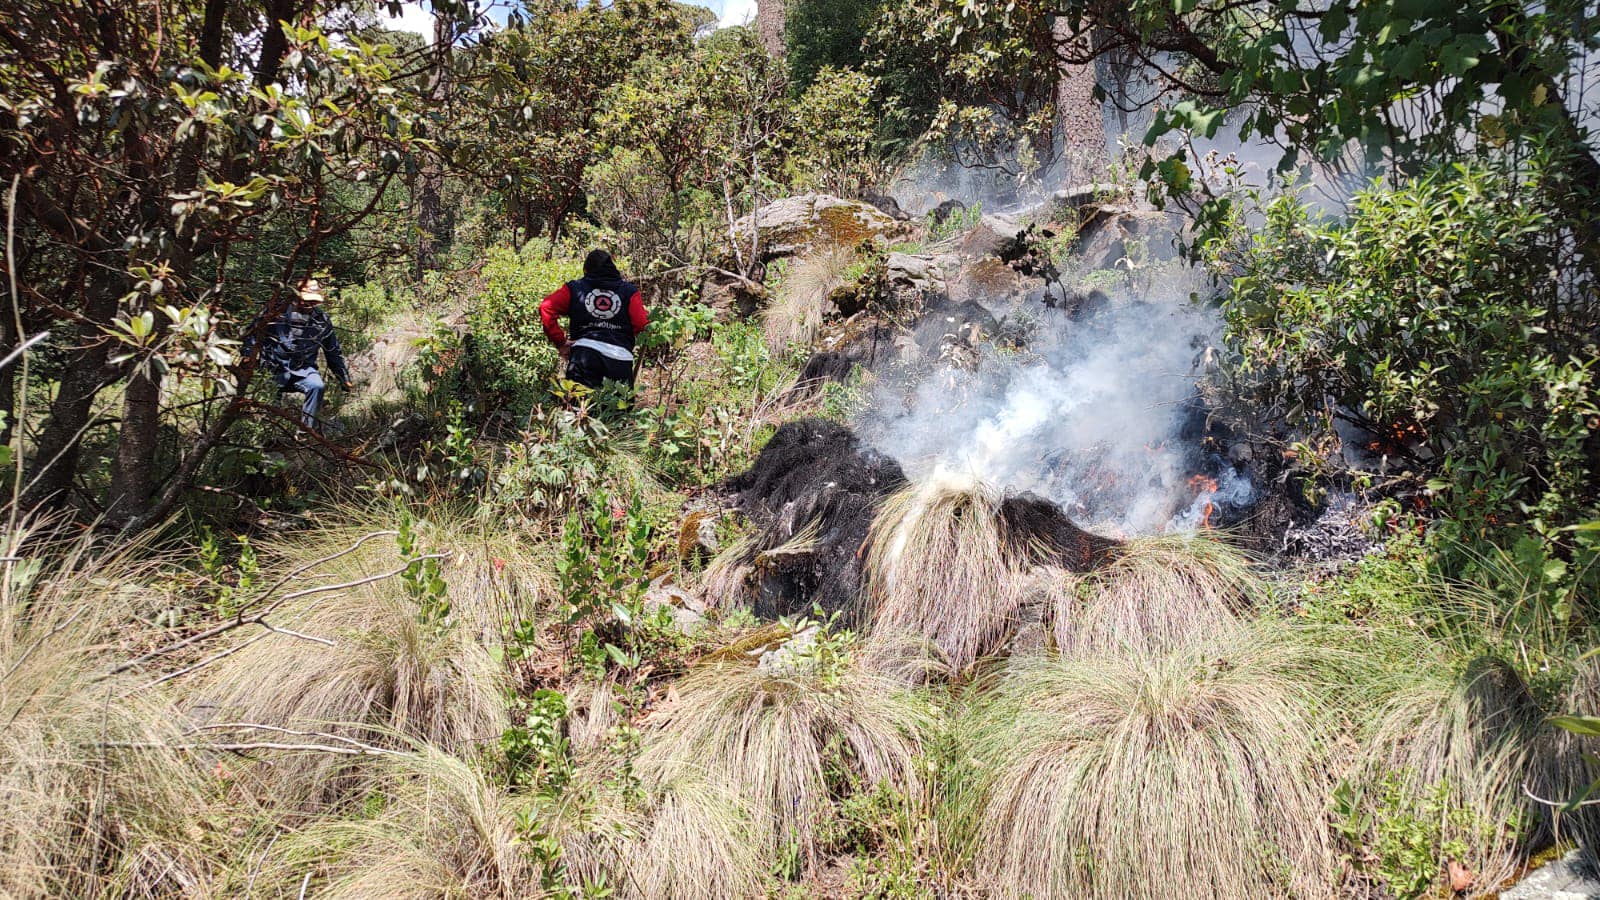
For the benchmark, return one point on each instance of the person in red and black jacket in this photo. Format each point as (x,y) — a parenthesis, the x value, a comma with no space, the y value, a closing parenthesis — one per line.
(605,313)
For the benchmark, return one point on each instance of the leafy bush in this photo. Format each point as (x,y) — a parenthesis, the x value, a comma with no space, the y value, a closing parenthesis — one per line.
(834,124)
(513,358)
(1439,318)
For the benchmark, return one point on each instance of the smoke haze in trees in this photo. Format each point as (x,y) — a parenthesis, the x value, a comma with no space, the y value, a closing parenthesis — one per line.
(1090,416)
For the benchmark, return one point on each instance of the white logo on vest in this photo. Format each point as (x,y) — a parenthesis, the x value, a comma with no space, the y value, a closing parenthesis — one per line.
(602,304)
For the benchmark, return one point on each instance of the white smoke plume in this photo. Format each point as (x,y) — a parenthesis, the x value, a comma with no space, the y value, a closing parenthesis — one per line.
(1089,416)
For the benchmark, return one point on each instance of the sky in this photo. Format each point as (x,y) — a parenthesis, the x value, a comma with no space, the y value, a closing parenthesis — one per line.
(417,16)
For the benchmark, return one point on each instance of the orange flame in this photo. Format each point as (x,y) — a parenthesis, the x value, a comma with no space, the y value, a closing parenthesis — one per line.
(1204,485)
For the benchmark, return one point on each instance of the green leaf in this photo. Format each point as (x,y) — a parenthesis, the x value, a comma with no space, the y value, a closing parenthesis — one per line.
(1588,726)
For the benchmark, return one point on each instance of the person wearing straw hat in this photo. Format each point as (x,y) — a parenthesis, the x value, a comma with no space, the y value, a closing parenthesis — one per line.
(291,346)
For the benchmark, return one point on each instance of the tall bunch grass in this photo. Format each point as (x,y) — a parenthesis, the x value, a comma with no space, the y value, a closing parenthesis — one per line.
(1567,764)
(783,736)
(1196,772)
(99,795)
(1154,594)
(392,671)
(647,838)
(1451,746)
(444,830)
(796,312)
(938,568)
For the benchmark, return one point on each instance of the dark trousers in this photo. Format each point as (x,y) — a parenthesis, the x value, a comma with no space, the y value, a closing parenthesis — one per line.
(590,368)
(308,382)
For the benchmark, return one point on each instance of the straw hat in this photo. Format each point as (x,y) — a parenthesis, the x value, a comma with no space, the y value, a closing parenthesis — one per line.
(311,291)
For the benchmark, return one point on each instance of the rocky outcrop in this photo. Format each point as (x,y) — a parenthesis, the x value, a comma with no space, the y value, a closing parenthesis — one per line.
(795,225)
(929,275)
(1107,230)
(992,236)
(731,296)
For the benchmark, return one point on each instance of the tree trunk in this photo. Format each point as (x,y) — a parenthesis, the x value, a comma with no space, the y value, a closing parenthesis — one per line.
(8,378)
(1079,115)
(431,230)
(56,456)
(133,473)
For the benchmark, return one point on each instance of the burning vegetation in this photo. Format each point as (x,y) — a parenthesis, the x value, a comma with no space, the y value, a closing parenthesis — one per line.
(978,525)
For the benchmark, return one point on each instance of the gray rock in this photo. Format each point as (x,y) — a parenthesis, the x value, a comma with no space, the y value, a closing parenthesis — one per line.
(686,610)
(1572,877)
(731,298)
(993,234)
(1082,195)
(793,656)
(1107,230)
(925,274)
(793,225)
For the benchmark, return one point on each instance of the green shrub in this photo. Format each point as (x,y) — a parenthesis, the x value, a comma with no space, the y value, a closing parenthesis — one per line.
(835,121)
(1440,318)
(512,356)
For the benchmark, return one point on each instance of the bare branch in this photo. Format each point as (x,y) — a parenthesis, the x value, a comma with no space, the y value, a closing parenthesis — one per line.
(1557,804)
(260,618)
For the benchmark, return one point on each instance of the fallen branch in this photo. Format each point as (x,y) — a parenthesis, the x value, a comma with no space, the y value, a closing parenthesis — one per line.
(279,729)
(1556,804)
(203,663)
(259,619)
(341,746)
(249,747)
(336,451)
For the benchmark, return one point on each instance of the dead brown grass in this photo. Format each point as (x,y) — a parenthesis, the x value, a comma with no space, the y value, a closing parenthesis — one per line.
(796,312)
(1154,594)
(938,568)
(1198,772)
(772,736)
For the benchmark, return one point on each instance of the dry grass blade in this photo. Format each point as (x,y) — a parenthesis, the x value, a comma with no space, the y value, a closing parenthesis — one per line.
(796,312)
(726,582)
(1566,765)
(95,799)
(389,673)
(1155,593)
(773,734)
(446,831)
(1454,745)
(1197,773)
(938,567)
(647,839)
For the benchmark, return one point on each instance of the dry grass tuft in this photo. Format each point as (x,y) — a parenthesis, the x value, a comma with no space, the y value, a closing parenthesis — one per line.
(445,831)
(776,736)
(647,839)
(1195,773)
(96,796)
(796,312)
(1566,765)
(389,675)
(1452,746)
(1154,594)
(938,567)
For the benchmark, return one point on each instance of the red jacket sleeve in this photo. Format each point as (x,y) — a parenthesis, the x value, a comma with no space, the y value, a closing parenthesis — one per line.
(637,313)
(551,310)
